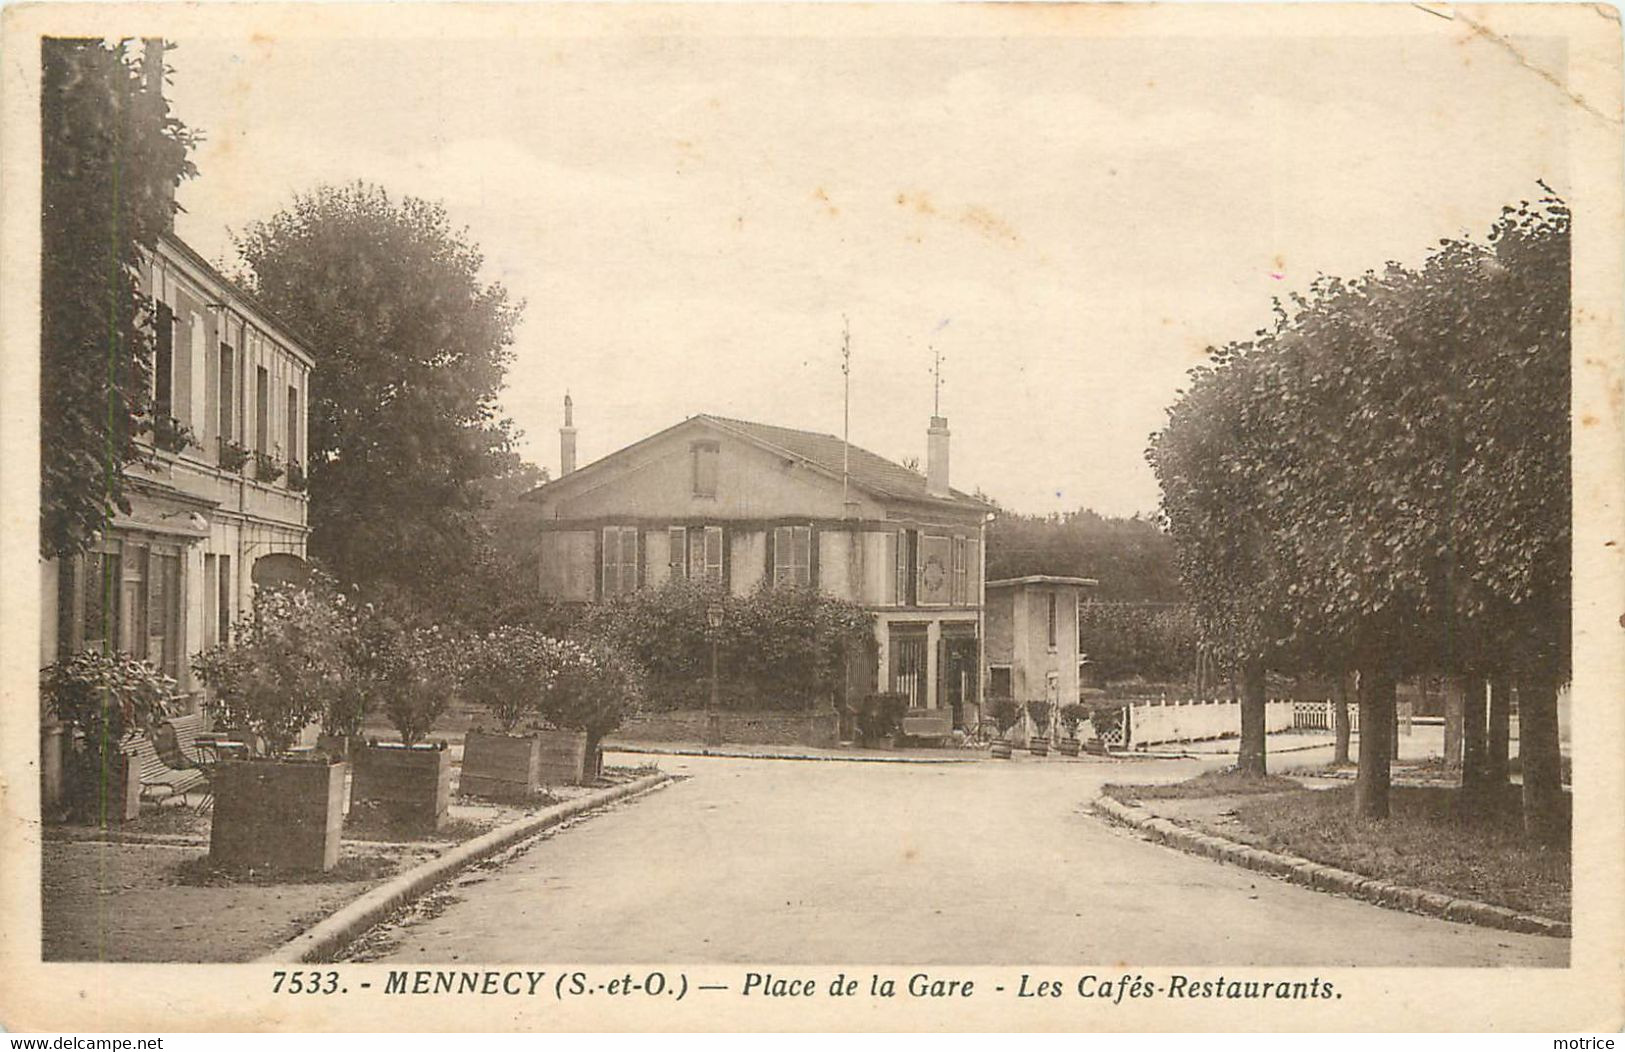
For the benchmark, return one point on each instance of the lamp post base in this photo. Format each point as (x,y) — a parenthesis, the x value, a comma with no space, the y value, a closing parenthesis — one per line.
(713,728)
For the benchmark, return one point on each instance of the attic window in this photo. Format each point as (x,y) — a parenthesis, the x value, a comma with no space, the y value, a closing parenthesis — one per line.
(704,458)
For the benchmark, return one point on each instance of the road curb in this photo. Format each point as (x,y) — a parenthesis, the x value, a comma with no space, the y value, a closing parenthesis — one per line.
(1322,877)
(724,753)
(338,929)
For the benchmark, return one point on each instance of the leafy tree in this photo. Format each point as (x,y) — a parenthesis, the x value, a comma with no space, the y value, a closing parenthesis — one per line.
(1132,558)
(1157,642)
(1381,482)
(112,157)
(411,347)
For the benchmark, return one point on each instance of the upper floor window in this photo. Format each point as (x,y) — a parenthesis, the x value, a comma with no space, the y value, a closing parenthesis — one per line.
(703,456)
(1054,617)
(262,410)
(961,591)
(936,567)
(792,555)
(620,560)
(293,424)
(228,391)
(902,549)
(163,364)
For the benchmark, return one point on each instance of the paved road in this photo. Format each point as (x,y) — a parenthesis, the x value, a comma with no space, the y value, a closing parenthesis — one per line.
(982,863)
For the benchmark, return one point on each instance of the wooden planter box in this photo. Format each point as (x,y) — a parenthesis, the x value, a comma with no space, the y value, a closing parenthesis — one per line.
(1067,746)
(500,766)
(410,789)
(564,759)
(105,798)
(1000,750)
(277,815)
(1038,746)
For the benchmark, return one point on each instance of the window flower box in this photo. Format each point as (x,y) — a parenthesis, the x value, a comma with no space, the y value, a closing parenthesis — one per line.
(169,434)
(232,455)
(266,468)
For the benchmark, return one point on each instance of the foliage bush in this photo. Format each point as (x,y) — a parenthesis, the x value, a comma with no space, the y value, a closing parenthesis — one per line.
(1039,711)
(1156,642)
(777,648)
(101,698)
(591,688)
(1072,716)
(506,672)
(1005,713)
(285,666)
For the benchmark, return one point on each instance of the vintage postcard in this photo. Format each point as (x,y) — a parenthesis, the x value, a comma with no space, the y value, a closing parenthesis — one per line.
(1012,516)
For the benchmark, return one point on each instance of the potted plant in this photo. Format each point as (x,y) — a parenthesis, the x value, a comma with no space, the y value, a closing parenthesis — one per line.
(592,690)
(1005,714)
(296,476)
(1071,717)
(1039,712)
(504,672)
(101,700)
(406,783)
(282,810)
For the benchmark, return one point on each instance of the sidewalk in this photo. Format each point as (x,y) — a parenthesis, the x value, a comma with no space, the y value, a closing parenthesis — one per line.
(145,891)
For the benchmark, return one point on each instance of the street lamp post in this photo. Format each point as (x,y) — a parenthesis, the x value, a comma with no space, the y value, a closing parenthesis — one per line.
(713,717)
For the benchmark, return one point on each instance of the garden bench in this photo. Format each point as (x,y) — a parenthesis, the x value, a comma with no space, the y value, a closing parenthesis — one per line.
(178,772)
(932,727)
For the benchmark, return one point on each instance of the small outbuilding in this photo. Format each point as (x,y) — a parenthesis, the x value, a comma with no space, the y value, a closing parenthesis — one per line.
(1031,639)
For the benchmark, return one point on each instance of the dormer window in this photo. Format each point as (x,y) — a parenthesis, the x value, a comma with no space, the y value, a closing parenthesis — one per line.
(703,457)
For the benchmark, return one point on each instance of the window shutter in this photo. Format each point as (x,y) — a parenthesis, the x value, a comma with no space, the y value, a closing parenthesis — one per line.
(713,554)
(891,564)
(612,562)
(629,559)
(677,556)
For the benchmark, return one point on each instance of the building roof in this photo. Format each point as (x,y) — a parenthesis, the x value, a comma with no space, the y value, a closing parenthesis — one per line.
(297,340)
(867,471)
(1043,578)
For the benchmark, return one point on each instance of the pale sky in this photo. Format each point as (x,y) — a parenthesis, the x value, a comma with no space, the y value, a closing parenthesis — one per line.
(1070,219)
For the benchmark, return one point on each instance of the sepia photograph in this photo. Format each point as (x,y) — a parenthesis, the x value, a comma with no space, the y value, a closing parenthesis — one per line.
(1026,509)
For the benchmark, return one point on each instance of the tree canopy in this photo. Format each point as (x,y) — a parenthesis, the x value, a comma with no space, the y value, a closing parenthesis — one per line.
(112,157)
(1132,558)
(411,348)
(1381,479)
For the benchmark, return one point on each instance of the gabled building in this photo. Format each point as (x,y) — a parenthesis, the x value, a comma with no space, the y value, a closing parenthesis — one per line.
(749,505)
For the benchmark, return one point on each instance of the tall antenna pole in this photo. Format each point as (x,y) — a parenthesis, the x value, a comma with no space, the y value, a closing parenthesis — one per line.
(846,415)
(936,391)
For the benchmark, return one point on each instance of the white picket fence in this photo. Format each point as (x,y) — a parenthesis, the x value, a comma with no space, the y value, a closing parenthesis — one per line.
(1157,722)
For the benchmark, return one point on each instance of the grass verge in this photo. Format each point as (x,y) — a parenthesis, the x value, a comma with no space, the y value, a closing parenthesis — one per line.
(1429,840)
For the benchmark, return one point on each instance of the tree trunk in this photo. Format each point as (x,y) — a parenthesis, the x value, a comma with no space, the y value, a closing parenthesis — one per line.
(1543,817)
(1496,761)
(1252,759)
(1454,711)
(1376,696)
(1340,719)
(1474,743)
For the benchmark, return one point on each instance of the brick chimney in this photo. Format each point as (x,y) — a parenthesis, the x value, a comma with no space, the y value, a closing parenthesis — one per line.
(936,457)
(567,440)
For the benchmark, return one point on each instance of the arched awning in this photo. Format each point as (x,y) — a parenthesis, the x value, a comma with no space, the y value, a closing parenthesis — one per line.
(280,568)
